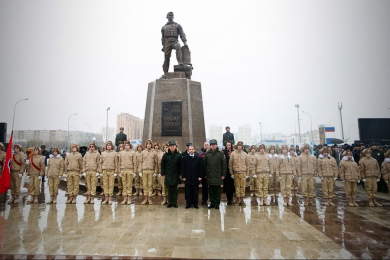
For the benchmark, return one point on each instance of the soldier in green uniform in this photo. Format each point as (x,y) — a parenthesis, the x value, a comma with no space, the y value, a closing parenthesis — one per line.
(120,138)
(214,164)
(170,34)
(170,171)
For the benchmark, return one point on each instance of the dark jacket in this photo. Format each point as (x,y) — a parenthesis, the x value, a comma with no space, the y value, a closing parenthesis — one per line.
(356,155)
(214,166)
(228,136)
(120,139)
(185,153)
(228,182)
(45,154)
(170,167)
(202,152)
(192,169)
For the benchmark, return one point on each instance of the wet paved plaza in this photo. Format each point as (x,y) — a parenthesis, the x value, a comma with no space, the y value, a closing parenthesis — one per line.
(154,231)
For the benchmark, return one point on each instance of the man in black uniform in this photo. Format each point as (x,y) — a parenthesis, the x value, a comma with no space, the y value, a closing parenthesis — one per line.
(45,154)
(380,157)
(170,34)
(120,137)
(228,136)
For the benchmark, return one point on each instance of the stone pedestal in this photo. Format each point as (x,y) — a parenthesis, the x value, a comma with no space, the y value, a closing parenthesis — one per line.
(183,110)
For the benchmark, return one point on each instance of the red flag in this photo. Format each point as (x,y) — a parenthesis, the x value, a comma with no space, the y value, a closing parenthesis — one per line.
(5,179)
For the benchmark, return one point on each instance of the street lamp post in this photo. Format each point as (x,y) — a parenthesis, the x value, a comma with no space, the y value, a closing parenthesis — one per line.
(22,188)
(295,125)
(13,120)
(90,131)
(107,123)
(340,105)
(67,140)
(349,132)
(311,126)
(267,132)
(299,123)
(261,133)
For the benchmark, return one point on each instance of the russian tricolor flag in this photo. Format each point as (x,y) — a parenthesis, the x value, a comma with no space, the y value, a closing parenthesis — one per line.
(329,129)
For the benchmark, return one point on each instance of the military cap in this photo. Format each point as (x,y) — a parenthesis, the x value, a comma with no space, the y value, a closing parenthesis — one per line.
(188,144)
(213,141)
(227,127)
(171,143)
(121,128)
(43,146)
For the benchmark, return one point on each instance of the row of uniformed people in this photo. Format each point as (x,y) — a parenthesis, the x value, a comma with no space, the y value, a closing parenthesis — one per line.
(143,166)
(267,170)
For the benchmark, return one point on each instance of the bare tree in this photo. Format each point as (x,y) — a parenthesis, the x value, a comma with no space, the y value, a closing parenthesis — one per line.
(110,134)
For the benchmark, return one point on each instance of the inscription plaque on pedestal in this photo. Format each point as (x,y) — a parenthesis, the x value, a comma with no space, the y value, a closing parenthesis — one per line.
(171,119)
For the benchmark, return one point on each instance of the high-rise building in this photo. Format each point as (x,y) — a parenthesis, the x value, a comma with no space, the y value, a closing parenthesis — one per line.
(215,132)
(244,134)
(133,126)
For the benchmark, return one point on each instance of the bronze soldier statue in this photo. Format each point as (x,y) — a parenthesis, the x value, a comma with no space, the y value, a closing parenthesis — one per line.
(170,34)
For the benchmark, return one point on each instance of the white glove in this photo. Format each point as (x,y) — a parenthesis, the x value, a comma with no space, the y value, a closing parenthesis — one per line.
(254,176)
(133,175)
(334,178)
(115,174)
(39,177)
(28,177)
(300,178)
(20,175)
(97,174)
(232,176)
(279,178)
(358,181)
(246,177)
(387,182)
(27,161)
(80,175)
(120,174)
(140,174)
(159,175)
(378,180)
(84,174)
(364,180)
(270,175)
(292,176)
(154,174)
(282,157)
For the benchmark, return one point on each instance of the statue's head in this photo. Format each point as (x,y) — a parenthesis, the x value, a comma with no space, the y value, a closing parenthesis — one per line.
(170,16)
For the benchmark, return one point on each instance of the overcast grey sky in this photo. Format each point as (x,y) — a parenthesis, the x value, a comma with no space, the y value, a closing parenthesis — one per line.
(255,60)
